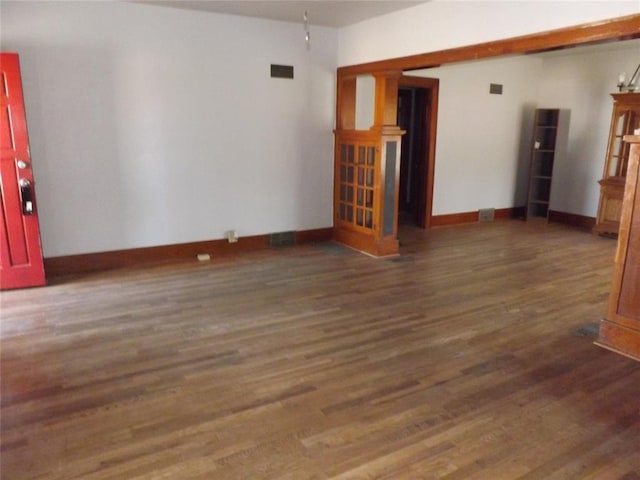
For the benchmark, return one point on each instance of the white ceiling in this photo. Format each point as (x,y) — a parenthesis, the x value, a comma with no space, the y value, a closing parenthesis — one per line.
(330,13)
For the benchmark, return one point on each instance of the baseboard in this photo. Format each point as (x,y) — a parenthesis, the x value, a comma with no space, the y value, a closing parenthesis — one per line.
(102,261)
(580,221)
(618,338)
(510,213)
(314,236)
(472,217)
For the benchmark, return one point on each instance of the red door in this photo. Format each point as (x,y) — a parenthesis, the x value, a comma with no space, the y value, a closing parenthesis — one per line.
(21,255)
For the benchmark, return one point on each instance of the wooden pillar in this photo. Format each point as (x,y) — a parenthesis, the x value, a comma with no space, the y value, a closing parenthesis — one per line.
(367,169)
(346,103)
(390,141)
(386,107)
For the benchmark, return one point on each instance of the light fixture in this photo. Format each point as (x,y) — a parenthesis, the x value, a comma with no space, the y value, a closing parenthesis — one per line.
(621,79)
(632,85)
(307,35)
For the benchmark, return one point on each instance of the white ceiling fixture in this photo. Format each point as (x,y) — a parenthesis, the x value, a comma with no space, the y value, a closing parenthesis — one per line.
(329,13)
(307,34)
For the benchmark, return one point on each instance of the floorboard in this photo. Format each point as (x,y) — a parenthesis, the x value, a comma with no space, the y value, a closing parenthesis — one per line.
(469,356)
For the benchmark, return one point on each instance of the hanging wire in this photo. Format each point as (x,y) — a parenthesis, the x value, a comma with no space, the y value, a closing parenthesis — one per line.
(307,34)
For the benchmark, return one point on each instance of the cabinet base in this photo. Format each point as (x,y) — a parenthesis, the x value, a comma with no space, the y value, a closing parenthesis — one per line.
(620,339)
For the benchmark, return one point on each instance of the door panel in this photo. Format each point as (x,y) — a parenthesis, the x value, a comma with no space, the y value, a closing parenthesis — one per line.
(21,263)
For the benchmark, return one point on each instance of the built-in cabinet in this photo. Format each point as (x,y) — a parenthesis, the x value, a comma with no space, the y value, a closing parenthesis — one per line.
(367,169)
(624,120)
(620,330)
(543,153)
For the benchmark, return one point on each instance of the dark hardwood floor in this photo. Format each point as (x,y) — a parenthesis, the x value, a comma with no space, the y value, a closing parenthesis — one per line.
(468,357)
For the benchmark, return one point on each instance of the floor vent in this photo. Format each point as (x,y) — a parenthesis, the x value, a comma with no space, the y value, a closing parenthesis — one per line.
(590,330)
(486,214)
(282,239)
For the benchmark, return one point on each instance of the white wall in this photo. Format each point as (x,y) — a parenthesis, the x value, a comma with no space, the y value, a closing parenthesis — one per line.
(580,81)
(152,126)
(441,24)
(483,139)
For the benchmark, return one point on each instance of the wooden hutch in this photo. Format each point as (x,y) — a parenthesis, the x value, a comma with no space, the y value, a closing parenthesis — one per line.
(620,330)
(624,120)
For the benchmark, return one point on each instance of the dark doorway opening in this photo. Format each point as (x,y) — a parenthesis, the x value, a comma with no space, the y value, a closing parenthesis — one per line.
(418,116)
(412,117)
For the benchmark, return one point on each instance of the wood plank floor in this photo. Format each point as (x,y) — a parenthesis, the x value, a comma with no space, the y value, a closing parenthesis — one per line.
(465,358)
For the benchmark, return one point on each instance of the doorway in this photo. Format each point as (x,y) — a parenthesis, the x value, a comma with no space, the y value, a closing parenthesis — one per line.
(417,115)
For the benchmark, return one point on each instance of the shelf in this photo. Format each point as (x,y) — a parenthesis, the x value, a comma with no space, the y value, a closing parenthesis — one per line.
(547,117)
(537,211)
(542,158)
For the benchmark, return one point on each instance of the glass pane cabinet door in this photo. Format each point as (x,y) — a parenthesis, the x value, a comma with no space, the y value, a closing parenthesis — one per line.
(625,122)
(357,183)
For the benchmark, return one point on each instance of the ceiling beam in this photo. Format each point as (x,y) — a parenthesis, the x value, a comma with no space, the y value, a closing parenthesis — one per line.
(616,29)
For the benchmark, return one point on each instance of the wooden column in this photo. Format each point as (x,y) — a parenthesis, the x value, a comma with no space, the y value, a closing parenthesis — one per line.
(620,330)
(386,108)
(346,103)
(367,169)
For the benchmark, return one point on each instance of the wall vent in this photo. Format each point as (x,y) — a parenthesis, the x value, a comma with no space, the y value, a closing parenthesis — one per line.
(495,88)
(486,214)
(281,71)
(282,239)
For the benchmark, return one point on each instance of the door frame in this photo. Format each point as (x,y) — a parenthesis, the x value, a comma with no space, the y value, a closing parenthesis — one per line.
(429,159)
